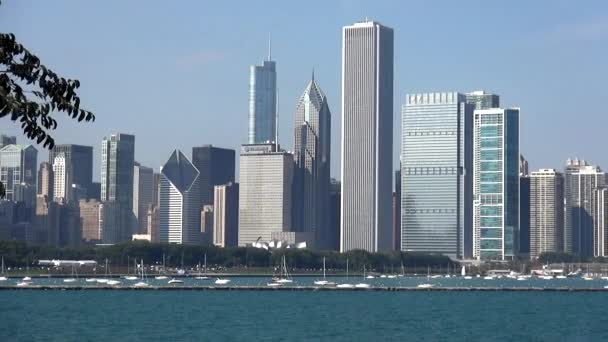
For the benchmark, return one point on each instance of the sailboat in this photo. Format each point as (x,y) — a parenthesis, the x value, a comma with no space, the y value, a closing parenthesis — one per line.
(142,282)
(72,279)
(132,277)
(108,281)
(204,276)
(346,285)
(161,277)
(27,270)
(362,285)
(3,276)
(284,277)
(324,282)
(426,285)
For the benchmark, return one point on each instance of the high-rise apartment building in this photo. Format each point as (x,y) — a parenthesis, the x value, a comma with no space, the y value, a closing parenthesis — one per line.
(18,165)
(367,137)
(546,212)
(143,196)
(263,102)
(581,181)
(265,192)
(226,215)
(496,184)
(600,217)
(216,167)
(46,179)
(117,160)
(79,160)
(436,174)
(312,141)
(179,218)
(62,182)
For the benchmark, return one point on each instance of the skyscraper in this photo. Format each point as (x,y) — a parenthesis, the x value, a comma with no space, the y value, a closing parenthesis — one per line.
(311,171)
(482,100)
(265,192)
(524,207)
(46,179)
(62,183)
(581,180)
(17,165)
(546,212)
(80,163)
(397,212)
(600,245)
(180,203)
(226,215)
(216,167)
(143,195)
(496,184)
(263,101)
(436,161)
(367,137)
(117,160)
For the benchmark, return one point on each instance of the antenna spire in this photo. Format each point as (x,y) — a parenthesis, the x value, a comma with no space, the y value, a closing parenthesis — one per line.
(269,47)
(276,124)
(313,73)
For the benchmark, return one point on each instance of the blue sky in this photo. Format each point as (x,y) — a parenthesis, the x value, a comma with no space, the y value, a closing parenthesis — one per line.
(175,73)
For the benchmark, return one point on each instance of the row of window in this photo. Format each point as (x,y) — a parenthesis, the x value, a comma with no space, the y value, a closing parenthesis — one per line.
(430,170)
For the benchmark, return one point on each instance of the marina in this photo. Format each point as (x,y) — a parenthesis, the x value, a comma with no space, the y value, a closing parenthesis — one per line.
(233,282)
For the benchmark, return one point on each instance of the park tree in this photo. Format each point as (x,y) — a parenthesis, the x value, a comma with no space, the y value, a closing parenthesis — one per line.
(31,94)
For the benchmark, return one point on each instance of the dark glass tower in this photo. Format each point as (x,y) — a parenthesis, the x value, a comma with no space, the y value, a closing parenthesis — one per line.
(80,161)
(216,167)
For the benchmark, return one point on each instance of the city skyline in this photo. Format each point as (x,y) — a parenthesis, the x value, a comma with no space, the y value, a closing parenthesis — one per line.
(465,71)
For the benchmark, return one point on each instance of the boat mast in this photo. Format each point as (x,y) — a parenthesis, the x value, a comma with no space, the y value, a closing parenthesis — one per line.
(323,267)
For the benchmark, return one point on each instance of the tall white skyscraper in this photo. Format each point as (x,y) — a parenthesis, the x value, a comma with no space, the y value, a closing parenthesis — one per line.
(180,202)
(263,101)
(496,184)
(265,192)
(143,195)
(546,212)
(62,183)
(367,137)
(436,174)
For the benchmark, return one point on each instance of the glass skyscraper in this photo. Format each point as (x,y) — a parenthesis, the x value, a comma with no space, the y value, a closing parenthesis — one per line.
(367,137)
(117,160)
(496,184)
(216,167)
(18,166)
(312,157)
(262,102)
(79,162)
(436,174)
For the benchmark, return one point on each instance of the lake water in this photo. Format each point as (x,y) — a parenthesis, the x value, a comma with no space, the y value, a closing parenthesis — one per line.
(380,282)
(302,316)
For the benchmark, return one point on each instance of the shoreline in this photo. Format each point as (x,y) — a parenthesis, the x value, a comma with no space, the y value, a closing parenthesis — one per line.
(299,288)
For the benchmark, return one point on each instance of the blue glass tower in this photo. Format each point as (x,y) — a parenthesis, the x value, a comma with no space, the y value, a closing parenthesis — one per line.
(496,184)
